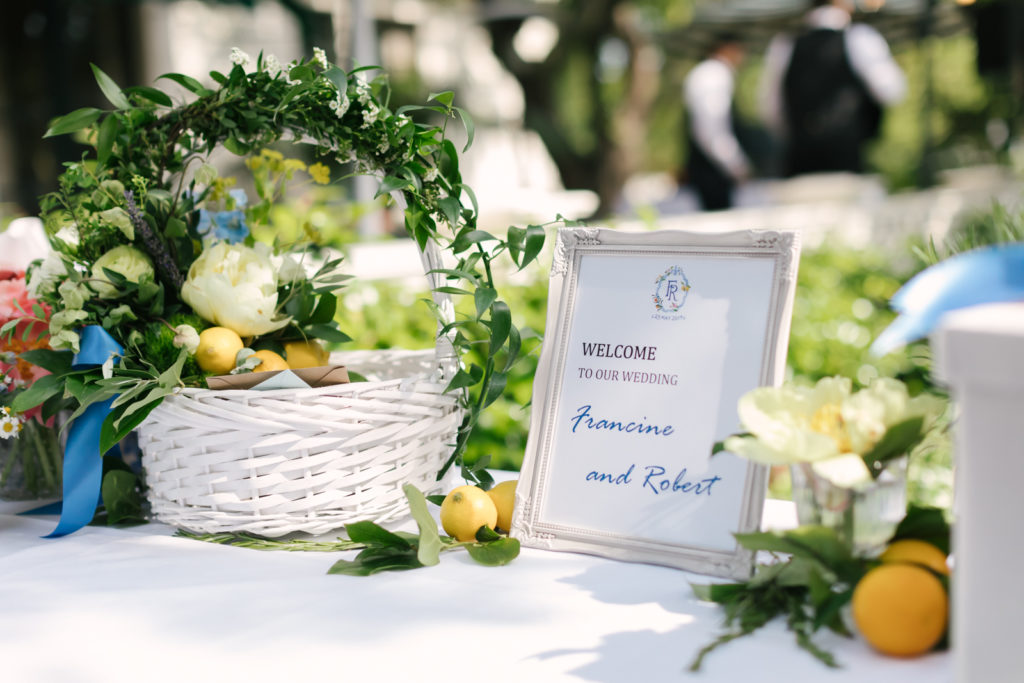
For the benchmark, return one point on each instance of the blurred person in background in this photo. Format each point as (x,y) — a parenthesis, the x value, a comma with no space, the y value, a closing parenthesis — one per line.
(715,161)
(823,91)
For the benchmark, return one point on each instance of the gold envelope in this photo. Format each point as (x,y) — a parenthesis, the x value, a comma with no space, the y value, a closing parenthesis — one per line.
(322,376)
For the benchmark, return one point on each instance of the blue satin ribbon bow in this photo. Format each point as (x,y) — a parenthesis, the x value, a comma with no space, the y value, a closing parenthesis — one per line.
(83,462)
(987,275)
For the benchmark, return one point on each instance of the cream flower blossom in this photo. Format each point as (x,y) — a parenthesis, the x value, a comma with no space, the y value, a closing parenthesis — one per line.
(185,336)
(125,260)
(235,286)
(827,425)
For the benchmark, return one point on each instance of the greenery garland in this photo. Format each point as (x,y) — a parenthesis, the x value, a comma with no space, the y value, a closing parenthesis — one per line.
(147,178)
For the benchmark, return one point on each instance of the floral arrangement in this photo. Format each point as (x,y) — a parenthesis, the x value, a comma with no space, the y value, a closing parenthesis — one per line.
(152,248)
(29,452)
(845,436)
(898,591)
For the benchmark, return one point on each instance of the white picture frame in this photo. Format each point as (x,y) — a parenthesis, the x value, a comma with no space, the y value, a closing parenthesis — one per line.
(651,338)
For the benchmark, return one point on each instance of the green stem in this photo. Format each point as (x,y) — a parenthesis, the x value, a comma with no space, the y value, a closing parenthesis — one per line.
(12,456)
(42,455)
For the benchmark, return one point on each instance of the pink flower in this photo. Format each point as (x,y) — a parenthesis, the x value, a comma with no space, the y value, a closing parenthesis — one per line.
(12,295)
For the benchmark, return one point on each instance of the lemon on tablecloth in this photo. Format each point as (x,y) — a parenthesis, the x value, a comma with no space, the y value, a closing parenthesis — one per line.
(901,609)
(465,509)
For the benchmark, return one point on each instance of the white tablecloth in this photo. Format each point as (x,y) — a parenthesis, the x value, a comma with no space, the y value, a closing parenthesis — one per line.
(139,605)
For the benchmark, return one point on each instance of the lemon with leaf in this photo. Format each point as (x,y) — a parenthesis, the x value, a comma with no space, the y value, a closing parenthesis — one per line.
(217,349)
(465,509)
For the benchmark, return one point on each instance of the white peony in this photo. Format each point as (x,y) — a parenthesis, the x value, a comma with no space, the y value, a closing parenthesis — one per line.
(827,425)
(235,286)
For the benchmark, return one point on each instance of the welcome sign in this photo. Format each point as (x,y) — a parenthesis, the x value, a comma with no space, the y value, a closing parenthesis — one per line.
(651,340)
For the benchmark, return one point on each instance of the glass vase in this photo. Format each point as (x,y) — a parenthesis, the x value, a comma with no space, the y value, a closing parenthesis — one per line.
(865,516)
(31,463)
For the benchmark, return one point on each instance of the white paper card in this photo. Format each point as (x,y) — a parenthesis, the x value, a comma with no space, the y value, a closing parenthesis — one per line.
(651,340)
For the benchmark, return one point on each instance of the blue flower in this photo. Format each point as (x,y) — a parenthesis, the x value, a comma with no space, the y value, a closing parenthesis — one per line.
(228,226)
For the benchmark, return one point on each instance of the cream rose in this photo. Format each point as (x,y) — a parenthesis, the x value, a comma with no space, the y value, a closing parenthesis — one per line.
(125,260)
(235,286)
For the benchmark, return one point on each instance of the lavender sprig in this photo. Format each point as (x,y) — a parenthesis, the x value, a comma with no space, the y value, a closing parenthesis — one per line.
(154,245)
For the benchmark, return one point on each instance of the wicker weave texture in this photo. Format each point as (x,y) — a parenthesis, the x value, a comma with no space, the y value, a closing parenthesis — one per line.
(310,460)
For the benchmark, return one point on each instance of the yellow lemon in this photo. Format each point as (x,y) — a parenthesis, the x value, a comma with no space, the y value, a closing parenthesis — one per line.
(900,609)
(217,349)
(305,354)
(465,510)
(916,552)
(270,361)
(504,497)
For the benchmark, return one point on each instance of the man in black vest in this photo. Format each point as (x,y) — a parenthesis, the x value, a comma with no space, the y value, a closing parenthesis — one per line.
(823,91)
(715,162)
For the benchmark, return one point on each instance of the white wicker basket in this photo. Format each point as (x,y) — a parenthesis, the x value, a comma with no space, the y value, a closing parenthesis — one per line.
(310,460)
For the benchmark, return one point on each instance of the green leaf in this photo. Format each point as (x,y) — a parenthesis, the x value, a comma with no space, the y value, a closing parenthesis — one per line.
(897,441)
(436,499)
(111,435)
(461,380)
(373,534)
(501,323)
(467,121)
(494,553)
(470,237)
(446,98)
(451,208)
(496,388)
(375,560)
(429,548)
(390,184)
(111,90)
(105,138)
(924,524)
(451,290)
(486,534)
(483,298)
(325,309)
(154,95)
(236,146)
(56,362)
(76,120)
(534,244)
(328,333)
(121,498)
(188,83)
(40,390)
(515,343)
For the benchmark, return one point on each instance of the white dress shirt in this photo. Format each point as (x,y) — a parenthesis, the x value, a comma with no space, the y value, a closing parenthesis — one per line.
(708,93)
(866,50)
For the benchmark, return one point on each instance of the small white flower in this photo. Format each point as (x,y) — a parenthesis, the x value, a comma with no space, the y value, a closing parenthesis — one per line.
(320,57)
(431,175)
(371,114)
(272,66)
(238,57)
(383,147)
(342,104)
(185,336)
(10,425)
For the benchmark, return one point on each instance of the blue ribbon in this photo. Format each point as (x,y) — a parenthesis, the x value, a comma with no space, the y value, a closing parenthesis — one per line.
(988,275)
(83,462)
